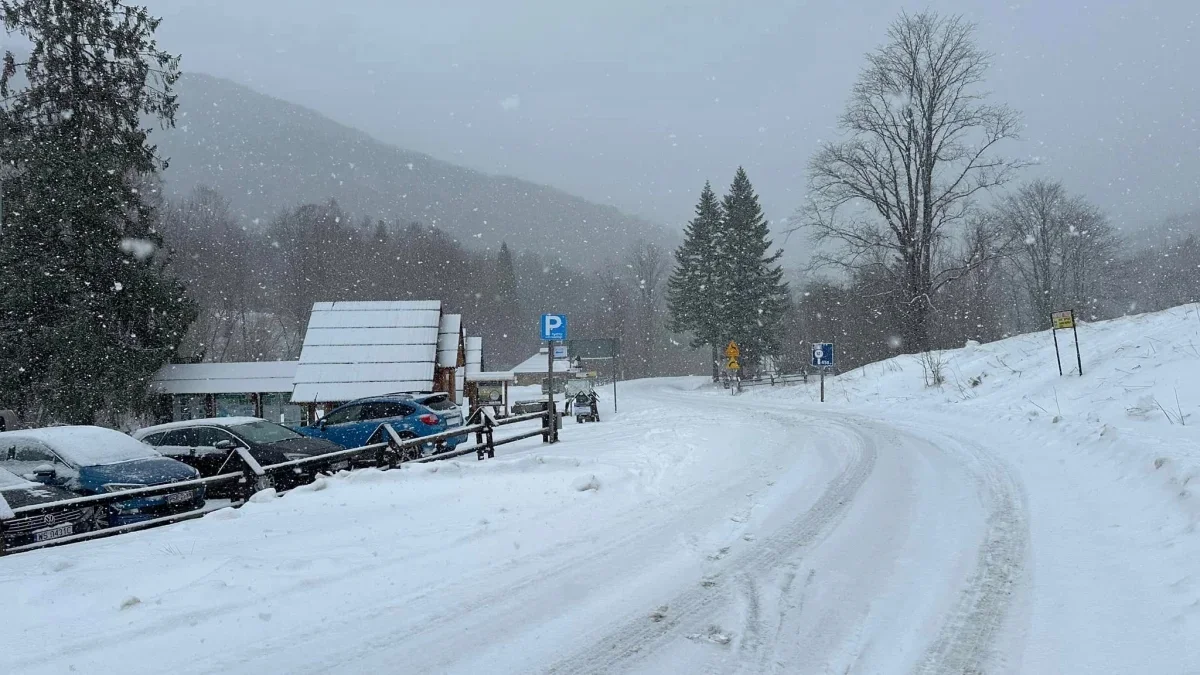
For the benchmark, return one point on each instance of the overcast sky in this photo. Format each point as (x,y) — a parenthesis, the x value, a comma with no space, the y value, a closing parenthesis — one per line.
(637,102)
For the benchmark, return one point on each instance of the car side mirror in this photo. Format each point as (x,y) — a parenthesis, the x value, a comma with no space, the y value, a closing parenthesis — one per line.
(224,444)
(45,473)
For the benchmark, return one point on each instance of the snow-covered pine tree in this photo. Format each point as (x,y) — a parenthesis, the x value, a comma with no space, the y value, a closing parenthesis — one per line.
(690,287)
(87,311)
(751,293)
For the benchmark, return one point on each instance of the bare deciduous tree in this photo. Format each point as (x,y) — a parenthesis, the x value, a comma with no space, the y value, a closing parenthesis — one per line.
(647,267)
(920,147)
(1063,245)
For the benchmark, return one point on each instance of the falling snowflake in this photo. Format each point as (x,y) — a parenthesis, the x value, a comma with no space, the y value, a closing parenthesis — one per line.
(138,248)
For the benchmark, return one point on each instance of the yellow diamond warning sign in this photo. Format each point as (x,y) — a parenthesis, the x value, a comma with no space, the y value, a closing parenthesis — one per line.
(733,364)
(732,352)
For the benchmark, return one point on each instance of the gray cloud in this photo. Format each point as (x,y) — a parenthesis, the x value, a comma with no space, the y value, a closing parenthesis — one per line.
(636,103)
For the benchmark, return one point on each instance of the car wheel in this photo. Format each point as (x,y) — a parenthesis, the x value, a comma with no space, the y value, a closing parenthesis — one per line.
(410,453)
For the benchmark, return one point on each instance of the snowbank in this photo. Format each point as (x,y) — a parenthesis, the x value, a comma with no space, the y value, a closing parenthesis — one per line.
(1135,408)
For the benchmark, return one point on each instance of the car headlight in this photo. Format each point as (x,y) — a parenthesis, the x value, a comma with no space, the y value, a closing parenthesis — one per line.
(117,487)
(291,456)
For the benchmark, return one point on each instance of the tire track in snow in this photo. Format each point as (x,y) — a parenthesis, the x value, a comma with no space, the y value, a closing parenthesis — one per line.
(964,643)
(638,636)
(565,561)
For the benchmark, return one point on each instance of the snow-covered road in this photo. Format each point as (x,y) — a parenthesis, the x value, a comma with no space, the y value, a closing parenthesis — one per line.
(694,532)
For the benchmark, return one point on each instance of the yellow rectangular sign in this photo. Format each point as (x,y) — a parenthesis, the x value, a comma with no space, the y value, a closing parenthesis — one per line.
(733,364)
(1064,319)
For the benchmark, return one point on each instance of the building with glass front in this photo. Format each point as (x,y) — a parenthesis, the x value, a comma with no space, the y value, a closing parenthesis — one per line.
(252,389)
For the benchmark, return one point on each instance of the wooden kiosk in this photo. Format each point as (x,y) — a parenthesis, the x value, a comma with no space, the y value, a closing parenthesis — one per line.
(489,389)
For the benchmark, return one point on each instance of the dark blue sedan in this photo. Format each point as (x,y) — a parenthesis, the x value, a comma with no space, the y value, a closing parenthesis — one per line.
(94,460)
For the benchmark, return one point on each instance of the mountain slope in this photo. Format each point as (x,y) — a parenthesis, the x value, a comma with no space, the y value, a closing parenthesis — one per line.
(265,154)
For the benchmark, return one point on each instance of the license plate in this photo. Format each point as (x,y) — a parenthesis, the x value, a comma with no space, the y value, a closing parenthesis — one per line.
(179,497)
(583,410)
(453,423)
(54,532)
(339,466)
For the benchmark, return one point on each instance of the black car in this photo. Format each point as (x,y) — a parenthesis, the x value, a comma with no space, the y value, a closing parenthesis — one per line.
(16,492)
(211,446)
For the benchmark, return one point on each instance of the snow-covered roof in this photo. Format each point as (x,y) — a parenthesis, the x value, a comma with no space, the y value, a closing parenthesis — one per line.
(225,378)
(493,376)
(86,445)
(357,349)
(183,424)
(474,354)
(449,336)
(537,364)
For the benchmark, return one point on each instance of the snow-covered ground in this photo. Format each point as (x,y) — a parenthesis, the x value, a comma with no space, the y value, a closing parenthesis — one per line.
(1008,520)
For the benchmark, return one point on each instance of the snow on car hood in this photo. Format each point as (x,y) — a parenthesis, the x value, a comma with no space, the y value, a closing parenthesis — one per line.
(152,471)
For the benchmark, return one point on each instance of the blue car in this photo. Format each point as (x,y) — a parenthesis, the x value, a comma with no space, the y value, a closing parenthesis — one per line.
(359,422)
(93,460)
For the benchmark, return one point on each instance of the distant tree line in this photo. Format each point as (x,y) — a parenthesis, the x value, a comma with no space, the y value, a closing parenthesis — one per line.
(256,283)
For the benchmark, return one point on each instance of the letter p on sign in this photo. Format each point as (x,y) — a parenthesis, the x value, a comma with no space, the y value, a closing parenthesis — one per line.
(554,327)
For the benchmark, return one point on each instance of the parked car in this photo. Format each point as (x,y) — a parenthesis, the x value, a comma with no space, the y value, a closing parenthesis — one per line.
(359,422)
(210,445)
(444,407)
(93,460)
(16,492)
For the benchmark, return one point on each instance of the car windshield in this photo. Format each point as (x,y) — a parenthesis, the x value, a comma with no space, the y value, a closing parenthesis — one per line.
(264,432)
(10,480)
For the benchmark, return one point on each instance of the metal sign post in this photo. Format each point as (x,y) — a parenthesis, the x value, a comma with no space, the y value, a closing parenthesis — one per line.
(615,366)
(550,391)
(822,359)
(553,327)
(1062,321)
(732,352)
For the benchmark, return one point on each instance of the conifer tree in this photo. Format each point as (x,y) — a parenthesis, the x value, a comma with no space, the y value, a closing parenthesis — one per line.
(504,338)
(88,312)
(751,295)
(690,288)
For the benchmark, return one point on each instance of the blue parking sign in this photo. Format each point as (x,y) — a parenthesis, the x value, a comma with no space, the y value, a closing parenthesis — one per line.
(554,327)
(822,354)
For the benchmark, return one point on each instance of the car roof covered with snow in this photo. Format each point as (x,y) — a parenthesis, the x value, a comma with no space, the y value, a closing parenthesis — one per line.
(203,422)
(86,445)
(386,398)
